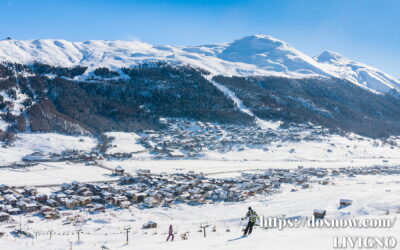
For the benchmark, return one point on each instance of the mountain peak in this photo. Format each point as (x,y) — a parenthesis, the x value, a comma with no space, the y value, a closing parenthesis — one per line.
(257,43)
(358,73)
(271,55)
(262,37)
(329,56)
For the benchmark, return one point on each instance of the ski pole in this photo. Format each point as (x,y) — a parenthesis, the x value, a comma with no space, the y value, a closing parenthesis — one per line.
(240,225)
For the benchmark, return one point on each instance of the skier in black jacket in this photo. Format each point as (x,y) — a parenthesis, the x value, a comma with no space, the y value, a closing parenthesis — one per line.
(253,216)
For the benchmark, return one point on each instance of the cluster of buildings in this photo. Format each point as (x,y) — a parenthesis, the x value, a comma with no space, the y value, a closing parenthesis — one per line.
(147,190)
(191,138)
(186,138)
(375,170)
(13,202)
(69,155)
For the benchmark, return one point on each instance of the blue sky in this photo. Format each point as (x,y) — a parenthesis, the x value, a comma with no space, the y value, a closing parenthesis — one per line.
(364,30)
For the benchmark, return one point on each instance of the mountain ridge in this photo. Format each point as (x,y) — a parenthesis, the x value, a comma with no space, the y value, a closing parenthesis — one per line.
(255,55)
(363,75)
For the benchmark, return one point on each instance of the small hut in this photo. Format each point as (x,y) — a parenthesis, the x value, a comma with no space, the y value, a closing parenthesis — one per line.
(345,202)
(150,224)
(319,214)
(4,216)
(119,171)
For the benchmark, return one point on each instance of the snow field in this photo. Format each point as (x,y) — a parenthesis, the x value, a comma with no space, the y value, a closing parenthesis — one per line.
(53,173)
(28,143)
(124,143)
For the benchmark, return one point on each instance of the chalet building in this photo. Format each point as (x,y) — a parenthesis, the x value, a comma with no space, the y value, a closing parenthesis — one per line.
(119,171)
(4,217)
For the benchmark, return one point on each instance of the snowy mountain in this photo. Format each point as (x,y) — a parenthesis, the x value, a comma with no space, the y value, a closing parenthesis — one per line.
(272,55)
(358,73)
(256,55)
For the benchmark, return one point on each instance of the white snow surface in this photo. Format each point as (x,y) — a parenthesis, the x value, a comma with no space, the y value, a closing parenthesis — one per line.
(54,173)
(359,73)
(251,55)
(124,143)
(330,152)
(45,143)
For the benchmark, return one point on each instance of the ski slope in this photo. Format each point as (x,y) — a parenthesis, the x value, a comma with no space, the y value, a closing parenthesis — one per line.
(239,105)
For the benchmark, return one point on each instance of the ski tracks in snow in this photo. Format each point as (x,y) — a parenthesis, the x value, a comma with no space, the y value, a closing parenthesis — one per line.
(240,105)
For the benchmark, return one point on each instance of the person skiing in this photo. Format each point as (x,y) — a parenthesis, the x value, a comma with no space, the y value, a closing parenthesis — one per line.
(252,216)
(171,233)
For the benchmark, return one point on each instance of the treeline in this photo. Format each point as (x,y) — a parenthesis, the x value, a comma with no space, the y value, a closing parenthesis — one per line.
(160,70)
(5,71)
(69,72)
(134,104)
(105,72)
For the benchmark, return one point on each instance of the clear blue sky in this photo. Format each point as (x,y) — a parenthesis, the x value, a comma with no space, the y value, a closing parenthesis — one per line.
(364,30)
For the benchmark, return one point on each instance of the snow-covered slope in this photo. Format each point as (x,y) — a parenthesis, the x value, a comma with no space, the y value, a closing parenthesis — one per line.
(271,54)
(358,73)
(117,54)
(251,55)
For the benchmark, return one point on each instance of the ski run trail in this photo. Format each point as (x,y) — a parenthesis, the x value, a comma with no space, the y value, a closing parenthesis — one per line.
(240,105)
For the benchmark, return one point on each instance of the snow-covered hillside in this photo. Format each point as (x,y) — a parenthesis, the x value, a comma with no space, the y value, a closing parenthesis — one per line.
(271,54)
(251,55)
(361,74)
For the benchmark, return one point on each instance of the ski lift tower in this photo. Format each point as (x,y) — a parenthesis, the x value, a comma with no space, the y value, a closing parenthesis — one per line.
(203,226)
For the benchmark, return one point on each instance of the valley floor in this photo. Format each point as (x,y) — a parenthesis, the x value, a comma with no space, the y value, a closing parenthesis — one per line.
(374,197)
